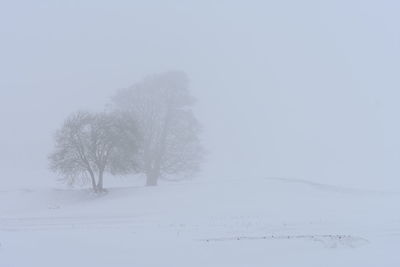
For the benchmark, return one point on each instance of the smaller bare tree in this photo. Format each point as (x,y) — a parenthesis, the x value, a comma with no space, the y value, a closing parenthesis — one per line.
(88,145)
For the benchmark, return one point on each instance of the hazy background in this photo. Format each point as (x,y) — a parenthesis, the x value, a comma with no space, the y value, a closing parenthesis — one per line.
(301,89)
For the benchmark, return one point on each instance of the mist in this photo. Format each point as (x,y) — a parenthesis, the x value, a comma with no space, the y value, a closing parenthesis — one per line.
(298,107)
(303,90)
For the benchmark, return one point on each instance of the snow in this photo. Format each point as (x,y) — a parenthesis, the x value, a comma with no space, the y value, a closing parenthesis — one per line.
(264,222)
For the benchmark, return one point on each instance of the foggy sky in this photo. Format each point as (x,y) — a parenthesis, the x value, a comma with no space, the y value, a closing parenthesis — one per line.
(300,89)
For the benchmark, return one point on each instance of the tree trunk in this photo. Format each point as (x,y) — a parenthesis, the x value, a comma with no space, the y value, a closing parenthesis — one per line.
(100,182)
(93,180)
(151,178)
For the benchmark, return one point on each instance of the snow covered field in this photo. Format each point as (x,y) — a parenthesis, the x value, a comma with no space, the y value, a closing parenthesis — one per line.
(267,222)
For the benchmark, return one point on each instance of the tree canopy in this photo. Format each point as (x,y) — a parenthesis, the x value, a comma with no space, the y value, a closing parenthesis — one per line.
(90,144)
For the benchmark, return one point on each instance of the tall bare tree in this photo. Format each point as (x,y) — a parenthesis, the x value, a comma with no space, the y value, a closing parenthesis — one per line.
(161,105)
(88,145)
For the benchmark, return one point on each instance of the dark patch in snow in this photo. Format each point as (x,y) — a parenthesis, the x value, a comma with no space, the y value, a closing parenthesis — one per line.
(329,241)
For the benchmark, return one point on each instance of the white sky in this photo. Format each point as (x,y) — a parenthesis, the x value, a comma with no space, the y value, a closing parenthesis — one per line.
(301,89)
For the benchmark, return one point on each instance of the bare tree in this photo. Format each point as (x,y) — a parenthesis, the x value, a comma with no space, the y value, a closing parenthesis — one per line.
(88,145)
(161,105)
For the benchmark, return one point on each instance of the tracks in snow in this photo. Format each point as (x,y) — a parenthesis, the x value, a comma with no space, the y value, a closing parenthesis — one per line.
(188,231)
(55,223)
